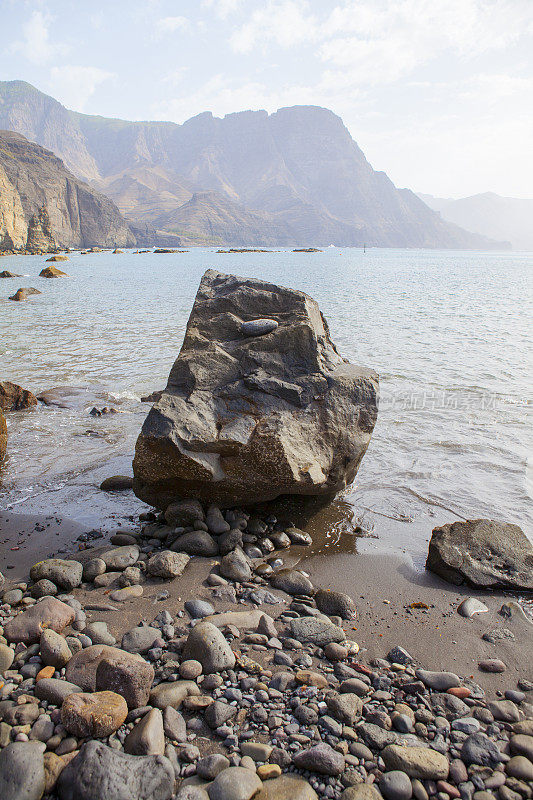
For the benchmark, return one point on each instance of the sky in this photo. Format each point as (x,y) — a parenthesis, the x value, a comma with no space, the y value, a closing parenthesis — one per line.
(437,93)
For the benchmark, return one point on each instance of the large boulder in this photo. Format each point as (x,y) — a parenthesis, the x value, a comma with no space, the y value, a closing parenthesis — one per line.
(482,553)
(251,413)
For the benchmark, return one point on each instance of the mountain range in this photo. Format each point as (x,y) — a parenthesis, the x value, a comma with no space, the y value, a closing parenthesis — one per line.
(489,214)
(294,177)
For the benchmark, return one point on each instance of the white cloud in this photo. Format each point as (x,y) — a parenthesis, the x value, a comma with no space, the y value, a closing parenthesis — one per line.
(381,41)
(223,8)
(167,25)
(35,44)
(74,85)
(284,22)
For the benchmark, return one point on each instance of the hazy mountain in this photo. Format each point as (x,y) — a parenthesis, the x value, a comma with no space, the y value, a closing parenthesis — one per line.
(505,218)
(299,167)
(43,206)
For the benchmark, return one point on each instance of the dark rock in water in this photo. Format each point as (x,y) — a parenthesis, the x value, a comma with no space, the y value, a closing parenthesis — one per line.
(23,293)
(7,274)
(52,272)
(100,773)
(15,398)
(22,771)
(482,553)
(246,419)
(117,483)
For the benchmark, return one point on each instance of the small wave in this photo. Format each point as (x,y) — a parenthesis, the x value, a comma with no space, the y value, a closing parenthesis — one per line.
(116,397)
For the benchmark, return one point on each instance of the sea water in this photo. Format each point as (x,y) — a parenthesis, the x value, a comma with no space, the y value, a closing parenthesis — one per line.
(449,333)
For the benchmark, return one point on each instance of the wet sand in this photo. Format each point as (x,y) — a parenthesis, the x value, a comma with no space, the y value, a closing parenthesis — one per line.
(383,585)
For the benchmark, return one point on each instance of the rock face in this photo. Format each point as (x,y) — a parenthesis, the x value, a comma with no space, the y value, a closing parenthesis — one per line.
(43,206)
(483,553)
(248,418)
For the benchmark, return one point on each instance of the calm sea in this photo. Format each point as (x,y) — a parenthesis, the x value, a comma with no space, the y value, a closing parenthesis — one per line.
(449,332)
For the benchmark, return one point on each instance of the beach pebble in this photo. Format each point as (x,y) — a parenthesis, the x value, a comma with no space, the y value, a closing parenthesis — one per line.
(321,758)
(206,644)
(190,669)
(492,665)
(140,639)
(417,762)
(479,749)
(98,633)
(97,714)
(7,654)
(63,573)
(504,710)
(43,588)
(121,557)
(129,677)
(235,566)
(167,564)
(258,327)
(47,613)
(215,521)
(395,785)
(174,724)
(172,693)
(218,713)
(54,690)
(292,582)
(209,766)
(234,783)
(22,771)
(54,649)
(362,791)
(439,681)
(316,630)
(398,655)
(127,593)
(100,773)
(198,608)
(117,483)
(147,737)
(471,606)
(92,568)
(184,512)
(521,768)
(335,604)
(12,597)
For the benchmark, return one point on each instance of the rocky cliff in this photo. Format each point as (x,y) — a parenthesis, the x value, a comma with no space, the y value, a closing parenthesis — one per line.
(43,206)
(299,168)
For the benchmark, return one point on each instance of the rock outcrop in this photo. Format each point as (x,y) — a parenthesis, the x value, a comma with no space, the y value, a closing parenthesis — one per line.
(43,206)
(14,398)
(246,418)
(482,553)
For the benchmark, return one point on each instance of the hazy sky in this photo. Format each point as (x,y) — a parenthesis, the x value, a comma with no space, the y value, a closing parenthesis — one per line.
(438,93)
